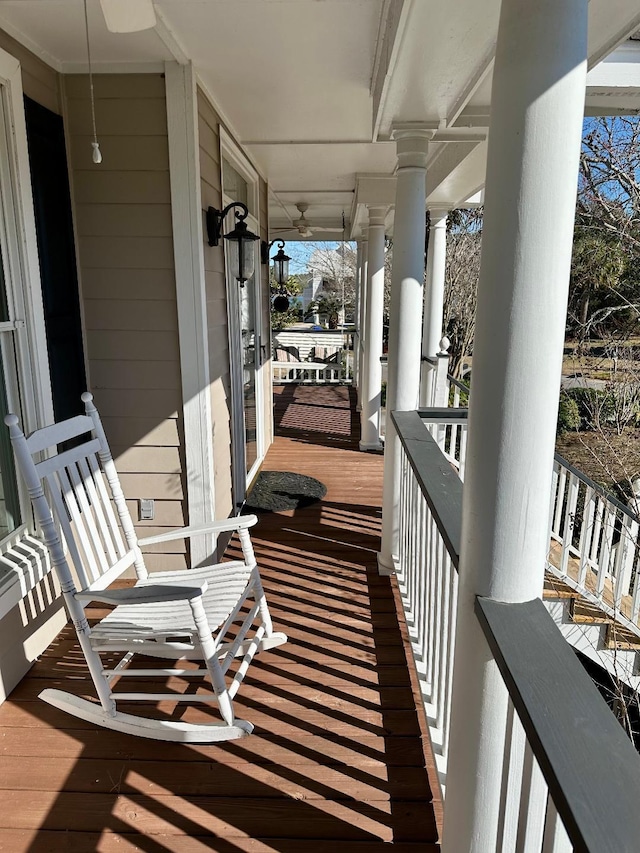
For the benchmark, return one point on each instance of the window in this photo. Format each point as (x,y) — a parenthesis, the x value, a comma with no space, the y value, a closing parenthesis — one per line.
(24,374)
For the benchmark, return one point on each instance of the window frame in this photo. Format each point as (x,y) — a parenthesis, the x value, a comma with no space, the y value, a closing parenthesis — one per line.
(241,476)
(22,335)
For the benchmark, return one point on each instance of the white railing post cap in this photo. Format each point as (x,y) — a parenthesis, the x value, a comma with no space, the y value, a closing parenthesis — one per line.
(445,343)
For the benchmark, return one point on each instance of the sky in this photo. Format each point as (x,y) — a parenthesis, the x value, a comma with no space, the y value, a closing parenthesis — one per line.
(300,251)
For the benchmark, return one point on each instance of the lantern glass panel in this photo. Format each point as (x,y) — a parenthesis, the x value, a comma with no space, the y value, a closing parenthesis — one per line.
(282,270)
(234,257)
(248,259)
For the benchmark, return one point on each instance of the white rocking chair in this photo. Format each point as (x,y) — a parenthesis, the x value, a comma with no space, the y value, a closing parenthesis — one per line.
(215,613)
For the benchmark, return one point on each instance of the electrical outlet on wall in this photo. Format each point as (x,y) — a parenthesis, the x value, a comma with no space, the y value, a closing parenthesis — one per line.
(147,509)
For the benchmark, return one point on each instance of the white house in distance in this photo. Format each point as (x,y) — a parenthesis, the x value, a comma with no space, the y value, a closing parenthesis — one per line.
(382,108)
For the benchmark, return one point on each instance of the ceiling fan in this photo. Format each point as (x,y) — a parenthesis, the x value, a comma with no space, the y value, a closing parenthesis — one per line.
(128,16)
(304,226)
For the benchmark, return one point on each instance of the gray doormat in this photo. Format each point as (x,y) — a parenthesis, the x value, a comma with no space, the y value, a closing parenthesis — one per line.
(278,490)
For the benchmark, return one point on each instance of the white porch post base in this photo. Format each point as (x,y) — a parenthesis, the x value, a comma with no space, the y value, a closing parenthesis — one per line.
(374,445)
(384,570)
(534,146)
(405,316)
(374,309)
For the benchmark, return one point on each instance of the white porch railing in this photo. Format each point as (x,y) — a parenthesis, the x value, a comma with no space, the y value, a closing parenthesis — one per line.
(317,359)
(558,777)
(594,544)
(310,373)
(593,536)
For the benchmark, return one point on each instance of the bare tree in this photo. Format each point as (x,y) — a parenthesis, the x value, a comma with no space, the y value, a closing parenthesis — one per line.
(606,249)
(609,178)
(464,240)
(336,265)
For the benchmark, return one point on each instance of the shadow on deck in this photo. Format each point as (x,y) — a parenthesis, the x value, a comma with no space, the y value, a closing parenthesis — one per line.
(337,760)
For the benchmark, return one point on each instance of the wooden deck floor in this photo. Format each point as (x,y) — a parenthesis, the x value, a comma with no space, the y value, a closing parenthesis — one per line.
(336,762)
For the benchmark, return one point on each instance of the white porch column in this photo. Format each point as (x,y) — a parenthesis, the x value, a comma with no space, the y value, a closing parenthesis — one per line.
(356,317)
(432,329)
(534,145)
(405,316)
(370,413)
(362,365)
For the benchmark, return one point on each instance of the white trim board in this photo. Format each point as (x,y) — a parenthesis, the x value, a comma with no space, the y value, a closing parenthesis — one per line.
(24,279)
(186,206)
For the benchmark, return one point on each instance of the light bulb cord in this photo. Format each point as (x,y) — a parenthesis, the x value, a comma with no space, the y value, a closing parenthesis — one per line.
(96,155)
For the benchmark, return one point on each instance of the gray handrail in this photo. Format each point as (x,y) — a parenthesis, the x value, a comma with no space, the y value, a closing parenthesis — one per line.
(439,482)
(590,766)
(596,487)
(461,385)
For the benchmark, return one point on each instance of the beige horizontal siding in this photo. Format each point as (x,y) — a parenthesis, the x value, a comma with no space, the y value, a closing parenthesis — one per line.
(112,186)
(110,86)
(156,375)
(209,170)
(168,515)
(142,431)
(127,117)
(123,219)
(215,289)
(134,346)
(211,197)
(130,314)
(98,283)
(166,562)
(160,486)
(122,153)
(152,402)
(138,459)
(133,252)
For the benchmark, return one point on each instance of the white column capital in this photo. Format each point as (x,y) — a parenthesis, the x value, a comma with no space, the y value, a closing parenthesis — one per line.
(377,214)
(412,143)
(438,216)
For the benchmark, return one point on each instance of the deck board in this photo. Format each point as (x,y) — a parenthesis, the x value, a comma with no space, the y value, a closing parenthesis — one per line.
(338,759)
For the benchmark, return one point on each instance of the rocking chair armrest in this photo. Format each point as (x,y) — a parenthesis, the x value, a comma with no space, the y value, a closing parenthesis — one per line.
(152,593)
(236,523)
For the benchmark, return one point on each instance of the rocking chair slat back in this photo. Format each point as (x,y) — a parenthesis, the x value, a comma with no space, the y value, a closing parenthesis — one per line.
(88,502)
(108,525)
(55,434)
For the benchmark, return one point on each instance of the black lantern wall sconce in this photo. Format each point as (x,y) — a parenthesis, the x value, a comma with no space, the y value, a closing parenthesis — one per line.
(240,239)
(280,273)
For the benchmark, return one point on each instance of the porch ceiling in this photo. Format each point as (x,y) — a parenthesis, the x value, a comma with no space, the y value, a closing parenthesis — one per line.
(313,87)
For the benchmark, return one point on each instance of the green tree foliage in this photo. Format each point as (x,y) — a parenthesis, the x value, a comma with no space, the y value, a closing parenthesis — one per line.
(294,287)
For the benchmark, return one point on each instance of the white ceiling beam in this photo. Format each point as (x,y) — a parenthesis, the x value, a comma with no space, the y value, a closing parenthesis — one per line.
(622,34)
(621,69)
(379,190)
(449,158)
(483,70)
(474,116)
(393,23)
(168,37)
